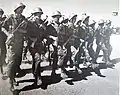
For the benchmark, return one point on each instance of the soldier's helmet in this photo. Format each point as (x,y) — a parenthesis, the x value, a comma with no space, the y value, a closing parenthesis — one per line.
(20,5)
(86,18)
(108,22)
(1,10)
(56,13)
(37,10)
(101,22)
(79,21)
(72,16)
(92,23)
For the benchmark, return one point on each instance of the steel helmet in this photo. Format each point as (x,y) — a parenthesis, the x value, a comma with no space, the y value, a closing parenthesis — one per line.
(72,16)
(108,21)
(92,22)
(37,10)
(19,5)
(56,13)
(1,10)
(79,21)
(86,18)
(101,22)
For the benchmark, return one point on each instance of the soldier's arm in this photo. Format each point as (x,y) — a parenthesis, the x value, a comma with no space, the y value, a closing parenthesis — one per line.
(5,31)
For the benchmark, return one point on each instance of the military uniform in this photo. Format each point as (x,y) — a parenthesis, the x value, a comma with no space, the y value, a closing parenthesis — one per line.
(100,38)
(90,41)
(108,32)
(53,30)
(55,34)
(71,29)
(79,44)
(35,45)
(15,43)
(66,35)
(87,39)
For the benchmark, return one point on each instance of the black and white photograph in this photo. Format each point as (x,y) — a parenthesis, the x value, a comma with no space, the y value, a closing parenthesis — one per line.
(59,47)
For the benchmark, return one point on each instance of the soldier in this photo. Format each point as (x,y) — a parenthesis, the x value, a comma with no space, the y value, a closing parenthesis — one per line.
(53,31)
(108,32)
(75,41)
(78,43)
(3,38)
(70,32)
(63,35)
(85,26)
(91,39)
(100,38)
(15,27)
(35,37)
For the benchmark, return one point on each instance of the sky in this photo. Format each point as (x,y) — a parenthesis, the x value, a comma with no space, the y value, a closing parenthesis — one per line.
(96,9)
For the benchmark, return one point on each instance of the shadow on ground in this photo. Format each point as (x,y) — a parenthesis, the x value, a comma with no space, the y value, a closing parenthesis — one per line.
(74,76)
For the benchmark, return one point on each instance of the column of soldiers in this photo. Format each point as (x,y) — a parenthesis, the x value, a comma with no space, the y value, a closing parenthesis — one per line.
(42,35)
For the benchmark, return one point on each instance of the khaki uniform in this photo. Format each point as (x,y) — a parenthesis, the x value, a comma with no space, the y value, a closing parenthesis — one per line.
(36,47)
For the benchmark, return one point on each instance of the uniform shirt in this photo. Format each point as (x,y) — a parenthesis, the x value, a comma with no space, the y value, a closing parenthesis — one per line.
(80,32)
(63,35)
(108,31)
(99,32)
(34,27)
(53,29)
(12,22)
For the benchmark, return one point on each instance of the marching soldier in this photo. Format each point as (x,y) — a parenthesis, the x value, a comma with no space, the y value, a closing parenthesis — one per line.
(75,41)
(35,36)
(100,41)
(98,35)
(78,43)
(85,26)
(108,32)
(54,29)
(3,38)
(14,26)
(70,31)
(91,39)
